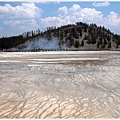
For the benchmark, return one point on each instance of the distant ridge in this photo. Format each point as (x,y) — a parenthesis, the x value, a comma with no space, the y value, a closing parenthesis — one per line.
(78,36)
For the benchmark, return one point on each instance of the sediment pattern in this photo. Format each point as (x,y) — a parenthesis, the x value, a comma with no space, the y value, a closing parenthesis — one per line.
(63,85)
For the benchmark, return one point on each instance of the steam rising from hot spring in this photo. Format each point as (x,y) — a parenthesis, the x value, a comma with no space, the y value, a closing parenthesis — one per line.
(44,43)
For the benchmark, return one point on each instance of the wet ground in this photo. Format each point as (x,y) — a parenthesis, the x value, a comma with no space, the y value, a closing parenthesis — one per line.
(81,84)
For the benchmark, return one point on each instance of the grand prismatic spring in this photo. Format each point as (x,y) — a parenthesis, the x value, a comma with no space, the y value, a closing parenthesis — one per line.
(82,84)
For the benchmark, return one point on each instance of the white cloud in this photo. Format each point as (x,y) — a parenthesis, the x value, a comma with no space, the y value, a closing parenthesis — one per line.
(55,21)
(27,16)
(113,19)
(91,15)
(11,22)
(20,18)
(72,15)
(75,8)
(28,24)
(62,11)
(112,22)
(87,15)
(101,4)
(25,10)
(16,27)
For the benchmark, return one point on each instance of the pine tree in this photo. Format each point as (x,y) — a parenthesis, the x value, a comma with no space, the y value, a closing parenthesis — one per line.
(76,44)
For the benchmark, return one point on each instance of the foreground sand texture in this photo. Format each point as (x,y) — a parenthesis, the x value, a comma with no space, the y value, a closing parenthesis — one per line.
(82,84)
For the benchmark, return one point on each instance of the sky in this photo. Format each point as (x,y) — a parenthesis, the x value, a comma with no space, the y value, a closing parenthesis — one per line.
(19,17)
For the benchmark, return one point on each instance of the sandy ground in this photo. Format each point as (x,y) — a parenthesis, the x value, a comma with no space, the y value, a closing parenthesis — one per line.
(82,84)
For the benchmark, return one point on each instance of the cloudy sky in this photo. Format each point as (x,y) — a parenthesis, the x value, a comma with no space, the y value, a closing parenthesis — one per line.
(19,17)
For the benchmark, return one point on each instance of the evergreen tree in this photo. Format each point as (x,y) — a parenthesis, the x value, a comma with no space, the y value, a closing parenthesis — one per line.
(76,44)
(109,45)
(82,43)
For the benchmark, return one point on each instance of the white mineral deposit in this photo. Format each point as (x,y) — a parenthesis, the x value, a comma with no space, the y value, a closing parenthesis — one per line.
(81,84)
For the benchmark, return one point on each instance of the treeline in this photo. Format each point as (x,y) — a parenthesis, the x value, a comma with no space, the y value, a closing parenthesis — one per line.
(13,41)
(102,37)
(73,35)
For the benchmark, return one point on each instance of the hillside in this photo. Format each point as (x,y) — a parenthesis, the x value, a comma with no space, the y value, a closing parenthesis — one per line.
(79,36)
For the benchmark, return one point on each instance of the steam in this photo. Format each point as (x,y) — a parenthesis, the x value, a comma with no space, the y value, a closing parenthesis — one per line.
(44,43)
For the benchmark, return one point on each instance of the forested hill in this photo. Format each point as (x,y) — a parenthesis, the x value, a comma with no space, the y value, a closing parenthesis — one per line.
(78,36)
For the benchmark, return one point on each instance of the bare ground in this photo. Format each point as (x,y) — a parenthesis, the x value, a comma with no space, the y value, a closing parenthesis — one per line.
(82,84)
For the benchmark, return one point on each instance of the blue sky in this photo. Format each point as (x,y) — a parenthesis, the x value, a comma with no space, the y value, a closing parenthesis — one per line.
(17,17)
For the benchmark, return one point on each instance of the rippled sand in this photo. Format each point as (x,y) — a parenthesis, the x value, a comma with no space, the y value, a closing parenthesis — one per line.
(60,85)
